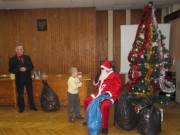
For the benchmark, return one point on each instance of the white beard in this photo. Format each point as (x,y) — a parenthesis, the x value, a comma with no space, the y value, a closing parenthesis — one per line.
(103,75)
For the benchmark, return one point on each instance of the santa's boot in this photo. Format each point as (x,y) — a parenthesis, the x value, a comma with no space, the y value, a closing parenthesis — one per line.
(85,123)
(104,131)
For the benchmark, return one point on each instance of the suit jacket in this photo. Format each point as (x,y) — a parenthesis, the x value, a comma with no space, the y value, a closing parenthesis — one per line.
(14,67)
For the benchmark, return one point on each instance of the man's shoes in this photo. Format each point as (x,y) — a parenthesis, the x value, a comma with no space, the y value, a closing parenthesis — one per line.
(21,110)
(85,123)
(104,131)
(71,120)
(79,117)
(33,108)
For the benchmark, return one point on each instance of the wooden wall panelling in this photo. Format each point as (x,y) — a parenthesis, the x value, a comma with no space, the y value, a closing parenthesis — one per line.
(101,36)
(137,13)
(174,45)
(119,18)
(70,39)
(87,42)
(136,16)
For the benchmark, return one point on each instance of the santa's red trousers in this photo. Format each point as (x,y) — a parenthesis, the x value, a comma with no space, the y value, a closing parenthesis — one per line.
(105,108)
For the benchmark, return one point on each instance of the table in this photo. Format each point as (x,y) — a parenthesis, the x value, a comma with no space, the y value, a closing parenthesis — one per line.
(8,95)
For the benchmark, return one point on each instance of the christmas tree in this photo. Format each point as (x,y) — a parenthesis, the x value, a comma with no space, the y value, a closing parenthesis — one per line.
(149,59)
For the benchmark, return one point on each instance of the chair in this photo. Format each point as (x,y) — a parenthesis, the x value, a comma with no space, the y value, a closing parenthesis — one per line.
(115,107)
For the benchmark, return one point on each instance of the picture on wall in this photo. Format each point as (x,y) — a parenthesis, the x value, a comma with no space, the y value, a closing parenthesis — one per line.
(42,24)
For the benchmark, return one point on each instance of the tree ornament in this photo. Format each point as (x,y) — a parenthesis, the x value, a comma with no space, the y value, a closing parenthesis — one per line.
(141,35)
(166,86)
(155,81)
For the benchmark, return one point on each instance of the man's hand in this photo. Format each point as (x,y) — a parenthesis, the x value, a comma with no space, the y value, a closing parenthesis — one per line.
(22,69)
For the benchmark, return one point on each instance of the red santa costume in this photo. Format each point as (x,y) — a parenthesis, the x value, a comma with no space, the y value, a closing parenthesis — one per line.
(110,84)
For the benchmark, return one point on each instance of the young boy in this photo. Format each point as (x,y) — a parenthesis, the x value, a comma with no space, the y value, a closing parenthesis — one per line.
(73,95)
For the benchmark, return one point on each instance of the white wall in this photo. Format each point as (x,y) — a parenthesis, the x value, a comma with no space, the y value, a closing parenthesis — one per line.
(128,33)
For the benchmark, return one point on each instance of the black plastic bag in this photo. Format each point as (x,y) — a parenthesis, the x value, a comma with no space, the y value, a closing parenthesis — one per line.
(49,99)
(146,101)
(149,122)
(125,114)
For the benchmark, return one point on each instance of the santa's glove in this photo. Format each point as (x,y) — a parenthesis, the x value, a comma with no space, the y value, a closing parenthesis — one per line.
(96,79)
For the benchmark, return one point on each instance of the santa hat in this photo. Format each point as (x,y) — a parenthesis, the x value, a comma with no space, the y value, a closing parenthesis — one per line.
(107,65)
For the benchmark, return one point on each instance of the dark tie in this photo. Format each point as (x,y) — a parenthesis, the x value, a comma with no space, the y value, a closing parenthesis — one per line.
(21,59)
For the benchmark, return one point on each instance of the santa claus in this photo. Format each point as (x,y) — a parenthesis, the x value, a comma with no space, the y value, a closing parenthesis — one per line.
(110,83)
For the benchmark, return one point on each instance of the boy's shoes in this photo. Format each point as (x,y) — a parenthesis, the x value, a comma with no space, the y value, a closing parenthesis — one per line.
(104,131)
(34,108)
(21,110)
(71,120)
(79,117)
(85,123)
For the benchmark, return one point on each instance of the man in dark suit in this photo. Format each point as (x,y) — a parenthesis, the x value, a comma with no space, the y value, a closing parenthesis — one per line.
(21,65)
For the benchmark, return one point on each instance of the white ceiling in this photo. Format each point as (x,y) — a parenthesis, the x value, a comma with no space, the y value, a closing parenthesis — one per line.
(99,4)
